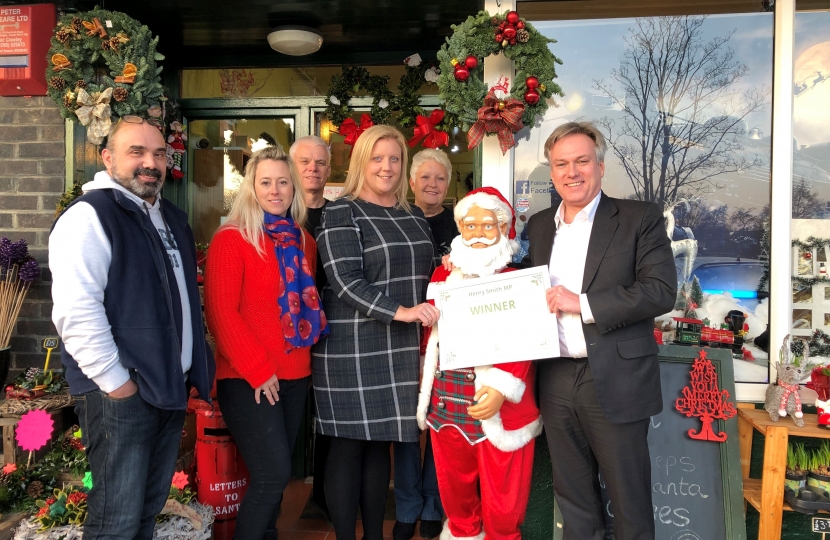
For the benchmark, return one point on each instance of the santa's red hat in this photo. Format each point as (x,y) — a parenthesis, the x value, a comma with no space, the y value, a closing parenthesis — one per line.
(489,198)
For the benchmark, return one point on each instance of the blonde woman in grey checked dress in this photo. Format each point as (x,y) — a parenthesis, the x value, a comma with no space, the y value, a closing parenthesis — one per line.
(378,255)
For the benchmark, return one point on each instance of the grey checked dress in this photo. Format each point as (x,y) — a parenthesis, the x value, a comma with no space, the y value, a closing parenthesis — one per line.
(366,371)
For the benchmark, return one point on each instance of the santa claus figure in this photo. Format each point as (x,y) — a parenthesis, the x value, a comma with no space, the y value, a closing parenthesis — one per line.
(484,420)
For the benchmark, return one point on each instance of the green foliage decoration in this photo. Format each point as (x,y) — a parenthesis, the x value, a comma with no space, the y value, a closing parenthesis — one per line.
(408,101)
(65,507)
(476,37)
(352,80)
(97,60)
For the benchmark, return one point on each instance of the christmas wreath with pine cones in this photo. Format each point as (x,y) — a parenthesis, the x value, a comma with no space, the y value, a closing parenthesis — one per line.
(461,83)
(103,65)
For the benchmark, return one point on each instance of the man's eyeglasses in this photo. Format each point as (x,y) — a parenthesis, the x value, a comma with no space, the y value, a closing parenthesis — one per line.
(132,119)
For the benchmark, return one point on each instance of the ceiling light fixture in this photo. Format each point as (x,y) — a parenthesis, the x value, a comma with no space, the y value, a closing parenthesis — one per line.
(295,40)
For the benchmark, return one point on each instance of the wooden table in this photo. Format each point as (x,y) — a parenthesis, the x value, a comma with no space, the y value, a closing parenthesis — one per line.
(767,494)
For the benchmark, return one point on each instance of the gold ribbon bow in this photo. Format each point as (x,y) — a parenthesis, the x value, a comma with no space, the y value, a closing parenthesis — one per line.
(95,114)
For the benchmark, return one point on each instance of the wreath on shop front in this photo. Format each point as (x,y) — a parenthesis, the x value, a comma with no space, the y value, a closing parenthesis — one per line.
(466,96)
(352,80)
(103,65)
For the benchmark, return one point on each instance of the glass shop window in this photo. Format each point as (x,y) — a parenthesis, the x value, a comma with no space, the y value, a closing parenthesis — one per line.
(685,104)
(810,226)
(218,152)
(275,82)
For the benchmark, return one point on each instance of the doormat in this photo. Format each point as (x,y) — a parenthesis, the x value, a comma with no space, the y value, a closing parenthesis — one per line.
(312,511)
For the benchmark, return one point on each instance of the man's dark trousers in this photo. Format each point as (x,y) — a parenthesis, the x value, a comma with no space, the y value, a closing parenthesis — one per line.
(132,449)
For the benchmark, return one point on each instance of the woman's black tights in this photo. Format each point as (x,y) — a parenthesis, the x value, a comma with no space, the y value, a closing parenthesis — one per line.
(357,474)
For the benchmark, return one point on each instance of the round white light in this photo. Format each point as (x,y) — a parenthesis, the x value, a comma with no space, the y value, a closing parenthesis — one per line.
(295,41)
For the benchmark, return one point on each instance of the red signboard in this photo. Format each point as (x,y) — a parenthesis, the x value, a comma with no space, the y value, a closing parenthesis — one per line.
(25,32)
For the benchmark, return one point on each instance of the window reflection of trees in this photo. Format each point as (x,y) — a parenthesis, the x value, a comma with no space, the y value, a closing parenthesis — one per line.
(683,109)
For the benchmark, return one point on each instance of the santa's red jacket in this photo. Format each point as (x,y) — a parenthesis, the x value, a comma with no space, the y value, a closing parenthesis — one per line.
(517,422)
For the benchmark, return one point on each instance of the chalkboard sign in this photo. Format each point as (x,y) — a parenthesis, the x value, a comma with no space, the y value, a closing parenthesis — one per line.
(697,492)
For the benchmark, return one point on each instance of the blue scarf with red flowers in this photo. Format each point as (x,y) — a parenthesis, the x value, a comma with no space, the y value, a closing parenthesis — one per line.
(302,320)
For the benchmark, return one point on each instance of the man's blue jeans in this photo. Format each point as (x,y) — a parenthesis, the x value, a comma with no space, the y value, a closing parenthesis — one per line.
(416,491)
(132,449)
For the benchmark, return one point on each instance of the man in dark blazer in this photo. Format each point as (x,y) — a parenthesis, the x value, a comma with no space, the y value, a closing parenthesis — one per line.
(612,272)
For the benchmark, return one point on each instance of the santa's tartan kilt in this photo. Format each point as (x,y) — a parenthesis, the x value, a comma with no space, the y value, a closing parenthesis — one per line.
(456,391)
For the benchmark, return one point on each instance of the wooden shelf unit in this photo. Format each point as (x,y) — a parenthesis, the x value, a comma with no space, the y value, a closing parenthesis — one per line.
(767,494)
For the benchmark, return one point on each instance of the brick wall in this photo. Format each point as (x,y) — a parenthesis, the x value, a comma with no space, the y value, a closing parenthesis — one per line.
(32,172)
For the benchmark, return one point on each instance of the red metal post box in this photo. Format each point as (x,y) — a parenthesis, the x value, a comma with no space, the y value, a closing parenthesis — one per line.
(221,475)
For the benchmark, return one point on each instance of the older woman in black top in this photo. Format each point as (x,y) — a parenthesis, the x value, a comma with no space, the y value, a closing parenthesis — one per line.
(378,256)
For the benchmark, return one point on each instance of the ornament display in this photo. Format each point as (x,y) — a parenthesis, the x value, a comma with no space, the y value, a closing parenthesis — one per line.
(112,58)
(176,149)
(463,96)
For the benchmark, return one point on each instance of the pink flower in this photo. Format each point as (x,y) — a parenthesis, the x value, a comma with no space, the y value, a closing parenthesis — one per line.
(304,328)
(310,297)
(288,329)
(306,268)
(289,274)
(282,289)
(293,303)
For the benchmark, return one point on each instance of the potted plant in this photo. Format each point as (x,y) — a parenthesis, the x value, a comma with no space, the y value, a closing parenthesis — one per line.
(18,270)
(819,475)
(797,463)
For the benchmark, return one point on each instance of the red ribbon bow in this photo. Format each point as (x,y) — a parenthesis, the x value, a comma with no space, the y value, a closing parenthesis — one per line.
(504,121)
(352,131)
(433,138)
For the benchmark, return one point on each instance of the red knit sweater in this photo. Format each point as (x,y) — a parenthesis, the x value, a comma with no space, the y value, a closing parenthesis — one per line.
(241,290)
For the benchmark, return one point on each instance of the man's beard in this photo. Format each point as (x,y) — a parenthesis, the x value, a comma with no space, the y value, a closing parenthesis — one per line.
(482,261)
(139,188)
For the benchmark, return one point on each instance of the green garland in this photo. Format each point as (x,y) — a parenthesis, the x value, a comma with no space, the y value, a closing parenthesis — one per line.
(811,243)
(96,61)
(352,80)
(408,101)
(810,281)
(475,37)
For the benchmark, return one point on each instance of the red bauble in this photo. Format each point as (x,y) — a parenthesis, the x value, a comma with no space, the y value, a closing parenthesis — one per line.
(471,62)
(532,97)
(808,255)
(502,25)
(513,41)
(499,38)
(509,33)
(532,82)
(513,17)
(461,73)
(520,25)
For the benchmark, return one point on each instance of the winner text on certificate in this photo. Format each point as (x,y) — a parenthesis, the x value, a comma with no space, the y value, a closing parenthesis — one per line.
(506,313)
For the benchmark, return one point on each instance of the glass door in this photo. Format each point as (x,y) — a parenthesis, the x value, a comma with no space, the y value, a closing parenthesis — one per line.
(219,149)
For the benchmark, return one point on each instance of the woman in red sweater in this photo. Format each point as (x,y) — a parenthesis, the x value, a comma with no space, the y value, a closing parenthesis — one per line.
(263,310)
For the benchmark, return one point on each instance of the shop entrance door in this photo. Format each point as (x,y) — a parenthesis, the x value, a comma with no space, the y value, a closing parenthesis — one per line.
(219,149)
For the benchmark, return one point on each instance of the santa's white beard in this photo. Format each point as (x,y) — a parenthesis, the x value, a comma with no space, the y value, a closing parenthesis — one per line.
(482,261)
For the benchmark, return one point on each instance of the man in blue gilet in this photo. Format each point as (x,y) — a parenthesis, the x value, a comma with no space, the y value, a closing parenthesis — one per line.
(127,307)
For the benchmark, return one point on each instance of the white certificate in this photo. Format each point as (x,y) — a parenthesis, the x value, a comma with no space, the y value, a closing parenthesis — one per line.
(495,319)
